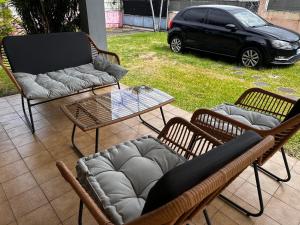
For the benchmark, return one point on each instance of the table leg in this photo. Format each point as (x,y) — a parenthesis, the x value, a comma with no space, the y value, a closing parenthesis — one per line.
(151,126)
(163,115)
(76,149)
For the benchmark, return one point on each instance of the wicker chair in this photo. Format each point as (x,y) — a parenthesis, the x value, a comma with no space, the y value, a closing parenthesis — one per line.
(225,128)
(189,141)
(7,65)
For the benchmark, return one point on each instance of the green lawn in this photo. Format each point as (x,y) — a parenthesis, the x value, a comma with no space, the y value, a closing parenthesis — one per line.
(6,86)
(196,80)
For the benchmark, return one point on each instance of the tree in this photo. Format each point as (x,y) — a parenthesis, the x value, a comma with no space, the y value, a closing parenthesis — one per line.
(5,19)
(47,16)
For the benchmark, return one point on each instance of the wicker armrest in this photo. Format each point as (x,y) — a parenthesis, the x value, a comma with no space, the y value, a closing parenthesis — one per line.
(110,56)
(97,213)
(224,129)
(221,127)
(186,139)
(260,100)
(284,131)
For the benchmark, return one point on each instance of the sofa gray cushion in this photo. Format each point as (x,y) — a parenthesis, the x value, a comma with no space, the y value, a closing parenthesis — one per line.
(62,82)
(100,63)
(116,70)
(256,120)
(120,178)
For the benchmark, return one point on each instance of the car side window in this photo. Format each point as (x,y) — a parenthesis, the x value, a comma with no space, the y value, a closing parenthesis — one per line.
(195,15)
(219,18)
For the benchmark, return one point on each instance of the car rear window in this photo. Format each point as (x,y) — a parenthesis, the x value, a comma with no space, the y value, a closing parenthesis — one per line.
(195,15)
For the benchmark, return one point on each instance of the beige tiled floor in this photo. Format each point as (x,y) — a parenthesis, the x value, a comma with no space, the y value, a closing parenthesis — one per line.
(33,192)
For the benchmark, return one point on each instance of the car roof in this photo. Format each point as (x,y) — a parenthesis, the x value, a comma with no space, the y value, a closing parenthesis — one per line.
(224,7)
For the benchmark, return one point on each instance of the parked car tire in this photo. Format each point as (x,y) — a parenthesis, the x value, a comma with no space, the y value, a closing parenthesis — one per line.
(251,57)
(176,44)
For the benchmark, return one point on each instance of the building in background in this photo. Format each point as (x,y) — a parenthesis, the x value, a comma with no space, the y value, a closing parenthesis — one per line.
(113,13)
(285,13)
(138,12)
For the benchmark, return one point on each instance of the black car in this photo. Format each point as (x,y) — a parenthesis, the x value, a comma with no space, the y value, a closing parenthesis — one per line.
(235,32)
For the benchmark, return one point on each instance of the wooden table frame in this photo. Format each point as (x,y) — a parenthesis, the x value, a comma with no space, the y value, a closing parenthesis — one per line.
(79,153)
(113,121)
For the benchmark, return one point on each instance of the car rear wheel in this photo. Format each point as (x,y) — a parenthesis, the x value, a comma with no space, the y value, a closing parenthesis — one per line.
(176,44)
(251,57)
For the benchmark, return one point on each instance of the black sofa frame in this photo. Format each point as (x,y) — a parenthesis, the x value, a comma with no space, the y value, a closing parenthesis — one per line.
(4,62)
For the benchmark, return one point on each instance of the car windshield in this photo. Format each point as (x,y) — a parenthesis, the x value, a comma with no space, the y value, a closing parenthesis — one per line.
(249,19)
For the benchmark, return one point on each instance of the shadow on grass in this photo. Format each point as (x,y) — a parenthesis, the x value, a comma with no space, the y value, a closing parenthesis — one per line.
(218,58)
(199,54)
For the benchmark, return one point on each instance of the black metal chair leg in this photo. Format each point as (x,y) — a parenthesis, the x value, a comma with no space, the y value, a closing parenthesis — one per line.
(76,149)
(97,141)
(273,176)
(259,193)
(206,217)
(93,91)
(80,212)
(151,126)
(29,120)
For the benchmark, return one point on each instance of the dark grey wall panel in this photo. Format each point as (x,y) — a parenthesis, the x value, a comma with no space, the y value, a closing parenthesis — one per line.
(284,5)
(142,7)
(176,5)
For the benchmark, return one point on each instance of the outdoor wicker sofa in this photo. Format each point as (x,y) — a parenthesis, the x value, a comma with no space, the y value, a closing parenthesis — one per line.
(46,67)
(259,110)
(164,180)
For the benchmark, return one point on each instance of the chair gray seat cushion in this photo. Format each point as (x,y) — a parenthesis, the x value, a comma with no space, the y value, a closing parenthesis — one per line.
(256,120)
(119,179)
(62,82)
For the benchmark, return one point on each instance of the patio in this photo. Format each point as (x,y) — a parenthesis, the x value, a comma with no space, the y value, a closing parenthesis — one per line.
(33,192)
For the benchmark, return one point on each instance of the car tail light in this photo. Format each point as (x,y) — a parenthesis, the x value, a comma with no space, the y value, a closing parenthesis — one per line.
(170,24)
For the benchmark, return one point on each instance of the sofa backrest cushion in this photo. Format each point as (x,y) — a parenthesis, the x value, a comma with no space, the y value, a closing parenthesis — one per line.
(187,175)
(293,112)
(41,53)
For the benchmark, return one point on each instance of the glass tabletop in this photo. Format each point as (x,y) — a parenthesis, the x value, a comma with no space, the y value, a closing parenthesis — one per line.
(111,107)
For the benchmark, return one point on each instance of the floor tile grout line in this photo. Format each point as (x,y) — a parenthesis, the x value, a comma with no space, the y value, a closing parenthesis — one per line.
(37,184)
(22,194)
(15,218)
(270,215)
(290,205)
(15,176)
(263,192)
(48,201)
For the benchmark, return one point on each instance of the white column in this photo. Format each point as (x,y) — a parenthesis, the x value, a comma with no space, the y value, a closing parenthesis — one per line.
(93,21)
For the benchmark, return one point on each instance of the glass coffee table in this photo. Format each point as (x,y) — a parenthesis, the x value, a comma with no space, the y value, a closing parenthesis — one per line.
(102,110)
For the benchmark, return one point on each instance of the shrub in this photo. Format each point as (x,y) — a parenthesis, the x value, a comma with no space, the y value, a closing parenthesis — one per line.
(5,19)
(47,16)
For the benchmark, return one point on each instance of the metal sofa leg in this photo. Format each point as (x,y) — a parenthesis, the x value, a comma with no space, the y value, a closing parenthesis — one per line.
(206,217)
(93,91)
(29,119)
(80,212)
(261,204)
(93,88)
(287,168)
(151,126)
